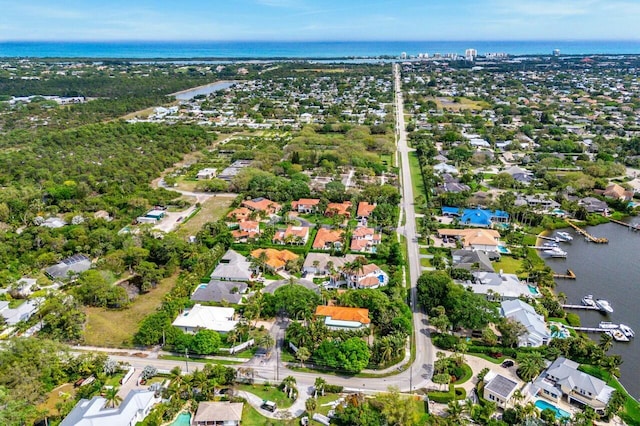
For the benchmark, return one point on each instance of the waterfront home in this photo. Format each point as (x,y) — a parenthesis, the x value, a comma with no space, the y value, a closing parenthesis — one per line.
(305,205)
(487,240)
(324,264)
(343,318)
(477,217)
(276,260)
(562,379)
(292,235)
(593,205)
(206,317)
(473,260)
(218,413)
(233,267)
(327,239)
(617,192)
(339,209)
(499,389)
(537,332)
(133,409)
(220,292)
(365,240)
(500,286)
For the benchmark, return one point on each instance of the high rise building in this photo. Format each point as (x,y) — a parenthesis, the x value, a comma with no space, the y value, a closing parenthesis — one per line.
(470,54)
(556,52)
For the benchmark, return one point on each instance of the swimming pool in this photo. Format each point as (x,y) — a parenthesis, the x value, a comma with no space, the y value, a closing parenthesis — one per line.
(184,419)
(532,289)
(503,250)
(542,405)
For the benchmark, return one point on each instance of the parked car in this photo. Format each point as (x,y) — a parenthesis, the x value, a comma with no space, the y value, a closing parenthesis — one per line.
(507,363)
(269,405)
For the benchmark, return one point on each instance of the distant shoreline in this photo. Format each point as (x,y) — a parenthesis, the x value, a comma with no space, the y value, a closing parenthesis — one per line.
(181,92)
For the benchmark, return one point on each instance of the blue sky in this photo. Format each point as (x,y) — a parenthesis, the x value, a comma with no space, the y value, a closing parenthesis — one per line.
(319,20)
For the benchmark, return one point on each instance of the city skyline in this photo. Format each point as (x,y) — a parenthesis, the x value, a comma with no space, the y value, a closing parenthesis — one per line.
(311,20)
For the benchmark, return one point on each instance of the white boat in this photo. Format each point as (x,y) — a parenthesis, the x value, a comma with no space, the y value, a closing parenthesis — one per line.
(556,252)
(607,324)
(628,331)
(565,236)
(618,335)
(588,300)
(604,305)
(551,245)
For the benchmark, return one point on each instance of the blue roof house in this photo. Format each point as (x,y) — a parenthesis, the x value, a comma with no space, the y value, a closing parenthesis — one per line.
(477,217)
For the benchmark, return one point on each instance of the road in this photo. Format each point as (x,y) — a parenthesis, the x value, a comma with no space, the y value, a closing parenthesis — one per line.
(415,376)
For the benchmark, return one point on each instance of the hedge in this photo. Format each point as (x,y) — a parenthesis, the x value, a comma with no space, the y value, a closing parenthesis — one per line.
(445,397)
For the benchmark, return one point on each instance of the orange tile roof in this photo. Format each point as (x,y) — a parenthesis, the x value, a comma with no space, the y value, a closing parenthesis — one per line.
(239,214)
(248,225)
(306,202)
(365,209)
(359,245)
(296,231)
(325,236)
(369,282)
(262,204)
(363,231)
(342,313)
(275,258)
(339,209)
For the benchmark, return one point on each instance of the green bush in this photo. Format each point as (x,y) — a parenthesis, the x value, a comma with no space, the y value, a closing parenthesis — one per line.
(573,319)
(333,388)
(445,397)
(445,341)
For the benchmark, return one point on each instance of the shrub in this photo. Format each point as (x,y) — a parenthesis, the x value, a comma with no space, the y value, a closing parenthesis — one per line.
(333,388)
(446,341)
(573,319)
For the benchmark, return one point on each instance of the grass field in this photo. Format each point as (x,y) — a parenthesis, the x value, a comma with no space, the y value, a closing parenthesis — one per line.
(464,104)
(416,176)
(211,210)
(425,262)
(270,393)
(58,394)
(116,327)
(250,417)
(508,265)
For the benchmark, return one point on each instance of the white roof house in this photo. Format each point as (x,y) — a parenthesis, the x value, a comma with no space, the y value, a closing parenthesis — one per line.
(445,168)
(537,332)
(206,317)
(232,267)
(12,316)
(206,173)
(92,412)
(500,286)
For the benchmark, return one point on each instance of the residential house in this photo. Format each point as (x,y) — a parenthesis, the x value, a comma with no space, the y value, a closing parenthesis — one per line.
(207,173)
(365,240)
(69,267)
(499,389)
(593,205)
(339,209)
(93,412)
(247,230)
(617,192)
(442,168)
(53,223)
(262,205)
(327,239)
(473,260)
(563,379)
(323,263)
(537,332)
(292,235)
(367,276)
(477,217)
(23,287)
(220,291)
(305,205)
(364,211)
(240,214)
(23,312)
(500,286)
(343,318)
(206,318)
(233,267)
(519,174)
(451,184)
(218,414)
(276,260)
(487,240)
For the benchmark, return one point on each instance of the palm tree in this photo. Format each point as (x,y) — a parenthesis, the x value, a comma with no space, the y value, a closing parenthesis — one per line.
(319,385)
(606,341)
(289,386)
(112,397)
(266,341)
(303,354)
(530,366)
(454,413)
(310,405)
(385,349)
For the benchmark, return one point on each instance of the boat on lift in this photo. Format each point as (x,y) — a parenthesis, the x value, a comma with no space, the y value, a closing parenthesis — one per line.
(628,331)
(550,245)
(604,305)
(564,236)
(588,301)
(618,335)
(555,252)
(608,325)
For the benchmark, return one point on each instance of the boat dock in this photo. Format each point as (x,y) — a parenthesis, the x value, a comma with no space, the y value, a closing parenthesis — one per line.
(589,308)
(588,236)
(629,226)
(589,329)
(570,275)
(555,240)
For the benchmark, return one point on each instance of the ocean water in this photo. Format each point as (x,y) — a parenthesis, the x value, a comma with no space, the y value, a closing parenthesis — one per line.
(318,50)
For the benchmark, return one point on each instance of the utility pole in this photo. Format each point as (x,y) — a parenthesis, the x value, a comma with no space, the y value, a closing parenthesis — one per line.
(411,379)
(186,361)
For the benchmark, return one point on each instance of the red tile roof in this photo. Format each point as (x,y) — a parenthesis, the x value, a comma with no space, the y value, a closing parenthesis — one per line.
(342,313)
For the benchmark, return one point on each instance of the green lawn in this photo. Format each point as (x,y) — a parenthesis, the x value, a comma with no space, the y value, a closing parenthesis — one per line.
(270,393)
(416,176)
(250,417)
(425,262)
(424,250)
(508,264)
(468,373)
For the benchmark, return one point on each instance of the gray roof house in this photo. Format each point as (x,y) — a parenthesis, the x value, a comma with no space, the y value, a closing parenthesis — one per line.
(500,286)
(473,260)
(218,413)
(562,378)
(593,205)
(323,259)
(233,267)
(12,316)
(499,389)
(133,409)
(537,332)
(70,266)
(220,291)
(520,174)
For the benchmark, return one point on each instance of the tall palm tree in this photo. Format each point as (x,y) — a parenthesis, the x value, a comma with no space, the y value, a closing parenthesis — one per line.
(303,354)
(454,413)
(319,385)
(606,341)
(112,397)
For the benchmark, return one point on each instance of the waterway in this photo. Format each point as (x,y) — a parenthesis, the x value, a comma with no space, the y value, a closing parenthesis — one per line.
(608,271)
(207,89)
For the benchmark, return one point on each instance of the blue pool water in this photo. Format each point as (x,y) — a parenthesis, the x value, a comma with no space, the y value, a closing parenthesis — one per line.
(542,405)
(203,285)
(184,419)
(533,290)
(503,250)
